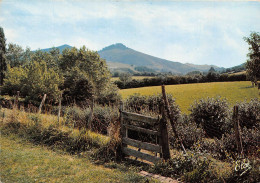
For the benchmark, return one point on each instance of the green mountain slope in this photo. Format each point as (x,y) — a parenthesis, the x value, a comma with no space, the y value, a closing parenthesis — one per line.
(119,53)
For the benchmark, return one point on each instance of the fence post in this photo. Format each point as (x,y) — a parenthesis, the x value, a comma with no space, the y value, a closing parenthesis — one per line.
(122,128)
(166,103)
(43,100)
(236,128)
(164,140)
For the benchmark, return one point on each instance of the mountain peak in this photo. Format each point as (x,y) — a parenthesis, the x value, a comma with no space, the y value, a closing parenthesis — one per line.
(115,46)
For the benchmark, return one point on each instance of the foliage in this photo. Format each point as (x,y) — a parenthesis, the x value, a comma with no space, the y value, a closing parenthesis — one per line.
(13,81)
(109,96)
(103,117)
(139,103)
(190,166)
(77,86)
(3,65)
(253,62)
(51,58)
(250,143)
(188,132)
(85,68)
(125,77)
(41,80)
(212,115)
(249,113)
(174,80)
(33,81)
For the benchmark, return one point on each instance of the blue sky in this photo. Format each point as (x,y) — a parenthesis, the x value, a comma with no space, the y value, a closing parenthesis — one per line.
(203,32)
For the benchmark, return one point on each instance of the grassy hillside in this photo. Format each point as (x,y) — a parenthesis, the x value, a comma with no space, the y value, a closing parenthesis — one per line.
(119,53)
(24,162)
(186,94)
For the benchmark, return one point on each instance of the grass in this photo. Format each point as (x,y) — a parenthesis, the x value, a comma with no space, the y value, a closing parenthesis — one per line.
(186,94)
(24,162)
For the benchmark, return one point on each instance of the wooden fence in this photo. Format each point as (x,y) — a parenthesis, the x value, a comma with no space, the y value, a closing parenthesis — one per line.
(154,128)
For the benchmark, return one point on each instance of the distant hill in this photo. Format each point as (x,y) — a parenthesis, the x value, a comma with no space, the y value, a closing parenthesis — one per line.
(61,48)
(238,68)
(123,59)
(119,53)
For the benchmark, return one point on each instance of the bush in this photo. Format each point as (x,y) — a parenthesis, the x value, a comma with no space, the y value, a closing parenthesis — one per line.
(249,114)
(191,167)
(151,104)
(102,117)
(250,143)
(213,115)
(76,117)
(188,132)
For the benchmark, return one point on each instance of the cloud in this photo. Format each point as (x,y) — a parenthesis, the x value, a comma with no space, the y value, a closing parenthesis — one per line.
(196,32)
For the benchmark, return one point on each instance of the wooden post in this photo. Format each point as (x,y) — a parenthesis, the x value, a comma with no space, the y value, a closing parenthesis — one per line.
(122,128)
(166,103)
(59,109)
(43,100)
(237,133)
(164,141)
(123,131)
(91,114)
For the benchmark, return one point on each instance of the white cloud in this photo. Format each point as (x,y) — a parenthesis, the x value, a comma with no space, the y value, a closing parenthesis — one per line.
(11,34)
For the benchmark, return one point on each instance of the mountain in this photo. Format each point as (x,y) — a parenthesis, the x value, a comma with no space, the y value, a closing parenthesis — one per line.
(123,59)
(61,48)
(119,53)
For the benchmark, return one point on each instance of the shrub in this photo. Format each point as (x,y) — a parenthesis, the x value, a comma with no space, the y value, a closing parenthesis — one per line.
(188,132)
(151,104)
(250,143)
(109,96)
(76,116)
(191,167)
(249,114)
(213,115)
(103,117)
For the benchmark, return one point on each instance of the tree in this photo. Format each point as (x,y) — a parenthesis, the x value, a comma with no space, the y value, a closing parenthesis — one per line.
(253,62)
(212,75)
(14,55)
(90,66)
(125,78)
(2,55)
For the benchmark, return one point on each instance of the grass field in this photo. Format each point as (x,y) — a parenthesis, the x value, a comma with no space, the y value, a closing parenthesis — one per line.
(24,162)
(186,94)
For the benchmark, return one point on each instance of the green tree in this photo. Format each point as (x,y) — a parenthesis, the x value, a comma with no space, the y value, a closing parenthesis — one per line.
(125,78)
(3,65)
(51,58)
(253,62)
(13,80)
(41,80)
(90,66)
(14,55)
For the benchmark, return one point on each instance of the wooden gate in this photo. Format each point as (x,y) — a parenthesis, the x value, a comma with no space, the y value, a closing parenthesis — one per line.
(155,128)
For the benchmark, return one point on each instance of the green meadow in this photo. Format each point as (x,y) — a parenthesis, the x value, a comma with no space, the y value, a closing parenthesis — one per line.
(187,94)
(21,161)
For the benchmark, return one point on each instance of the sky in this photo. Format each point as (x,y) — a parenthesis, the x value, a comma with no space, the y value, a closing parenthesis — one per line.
(198,32)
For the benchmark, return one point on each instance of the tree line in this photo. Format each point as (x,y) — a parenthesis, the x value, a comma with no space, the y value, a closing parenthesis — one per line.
(76,74)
